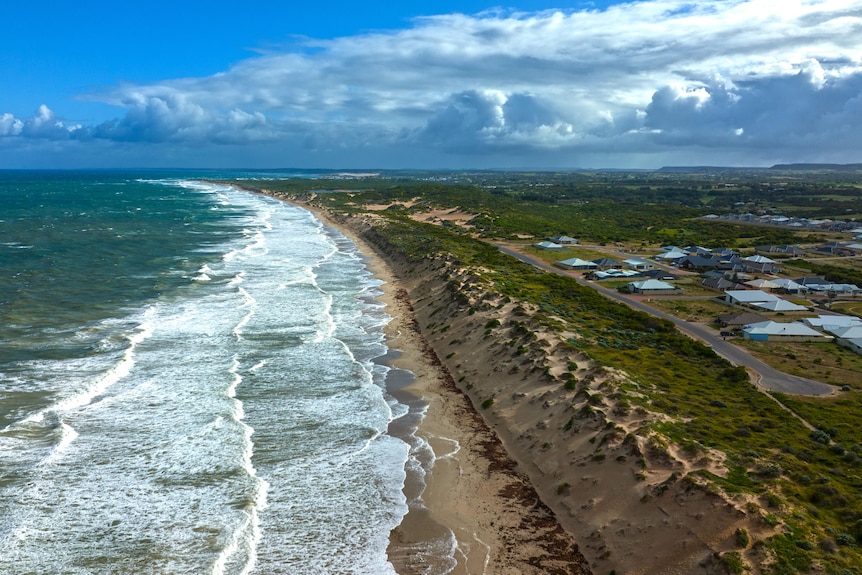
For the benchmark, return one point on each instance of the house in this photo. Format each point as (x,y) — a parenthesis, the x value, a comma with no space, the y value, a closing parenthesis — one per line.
(852,344)
(739,319)
(576,264)
(775,331)
(792,251)
(564,240)
(613,274)
(778,305)
(699,263)
(760,264)
(811,281)
(714,274)
(846,332)
(747,297)
(725,253)
(832,248)
(606,263)
(762,284)
(659,275)
(697,251)
(721,283)
(637,265)
(835,289)
(653,287)
(789,286)
(671,256)
(548,246)
(825,322)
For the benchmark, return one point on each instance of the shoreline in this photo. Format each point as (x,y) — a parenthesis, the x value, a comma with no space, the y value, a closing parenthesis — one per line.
(472,511)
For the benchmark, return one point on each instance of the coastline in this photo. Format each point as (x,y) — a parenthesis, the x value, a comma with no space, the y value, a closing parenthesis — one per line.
(479,514)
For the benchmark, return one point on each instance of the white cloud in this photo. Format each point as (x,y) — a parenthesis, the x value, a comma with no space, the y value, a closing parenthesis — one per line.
(656,74)
(10,125)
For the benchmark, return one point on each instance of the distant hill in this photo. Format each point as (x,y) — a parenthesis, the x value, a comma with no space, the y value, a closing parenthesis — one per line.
(818,167)
(775,168)
(704,169)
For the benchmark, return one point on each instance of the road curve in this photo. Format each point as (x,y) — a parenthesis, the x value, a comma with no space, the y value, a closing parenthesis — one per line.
(766,377)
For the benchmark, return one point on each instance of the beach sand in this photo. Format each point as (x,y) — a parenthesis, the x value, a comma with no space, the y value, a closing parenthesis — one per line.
(474,490)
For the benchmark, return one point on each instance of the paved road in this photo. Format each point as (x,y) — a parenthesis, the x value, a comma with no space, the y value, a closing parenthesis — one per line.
(766,376)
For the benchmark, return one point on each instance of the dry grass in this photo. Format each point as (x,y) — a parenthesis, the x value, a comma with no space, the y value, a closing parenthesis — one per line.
(827,362)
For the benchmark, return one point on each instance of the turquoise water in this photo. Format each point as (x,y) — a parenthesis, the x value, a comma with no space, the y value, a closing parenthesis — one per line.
(188,384)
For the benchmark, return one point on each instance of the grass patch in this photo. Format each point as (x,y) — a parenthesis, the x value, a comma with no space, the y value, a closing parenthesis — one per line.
(827,362)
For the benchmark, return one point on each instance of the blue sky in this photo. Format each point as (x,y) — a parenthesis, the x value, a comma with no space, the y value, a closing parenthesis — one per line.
(449,84)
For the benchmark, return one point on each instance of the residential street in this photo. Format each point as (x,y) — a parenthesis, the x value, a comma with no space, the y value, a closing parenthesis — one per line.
(767,377)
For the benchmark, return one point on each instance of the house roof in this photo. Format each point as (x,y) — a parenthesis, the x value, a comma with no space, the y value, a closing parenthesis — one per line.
(548,246)
(787,284)
(616,273)
(671,255)
(833,320)
(779,305)
(797,329)
(701,261)
(762,283)
(758,260)
(811,281)
(635,262)
(720,283)
(576,263)
(750,295)
(744,318)
(563,239)
(846,332)
(652,285)
(835,288)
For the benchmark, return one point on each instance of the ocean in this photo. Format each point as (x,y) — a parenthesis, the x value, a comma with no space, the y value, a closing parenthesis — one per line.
(190,382)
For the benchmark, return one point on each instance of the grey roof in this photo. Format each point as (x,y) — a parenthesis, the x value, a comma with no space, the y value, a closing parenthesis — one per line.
(744,318)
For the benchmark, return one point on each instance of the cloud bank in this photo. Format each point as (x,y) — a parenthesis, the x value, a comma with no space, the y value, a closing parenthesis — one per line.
(671,79)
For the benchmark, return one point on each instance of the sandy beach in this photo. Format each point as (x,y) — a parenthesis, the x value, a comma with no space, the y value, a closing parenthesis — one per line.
(475,490)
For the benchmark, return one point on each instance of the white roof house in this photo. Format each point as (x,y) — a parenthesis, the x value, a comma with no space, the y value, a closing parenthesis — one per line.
(671,255)
(616,273)
(822,321)
(841,289)
(748,296)
(576,264)
(758,259)
(548,246)
(779,305)
(637,264)
(789,285)
(847,332)
(651,286)
(771,330)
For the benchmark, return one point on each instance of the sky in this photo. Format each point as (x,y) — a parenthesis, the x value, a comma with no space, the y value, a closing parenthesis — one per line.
(469,84)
